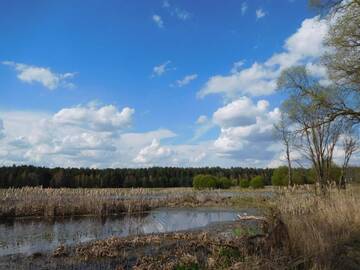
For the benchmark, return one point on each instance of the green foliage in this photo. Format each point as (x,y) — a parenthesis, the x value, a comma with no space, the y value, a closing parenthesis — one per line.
(202,181)
(335,173)
(244,183)
(154,177)
(224,182)
(257,182)
(246,231)
(310,176)
(280,176)
(299,176)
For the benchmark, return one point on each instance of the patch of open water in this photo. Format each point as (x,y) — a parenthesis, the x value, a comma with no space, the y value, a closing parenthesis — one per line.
(27,236)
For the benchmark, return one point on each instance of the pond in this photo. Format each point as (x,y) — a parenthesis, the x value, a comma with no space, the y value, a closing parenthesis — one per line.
(27,236)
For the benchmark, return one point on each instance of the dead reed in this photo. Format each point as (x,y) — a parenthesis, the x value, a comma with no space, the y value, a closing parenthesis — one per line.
(43,202)
(322,229)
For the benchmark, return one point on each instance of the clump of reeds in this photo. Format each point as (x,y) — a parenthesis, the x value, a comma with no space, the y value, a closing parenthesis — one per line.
(49,203)
(321,226)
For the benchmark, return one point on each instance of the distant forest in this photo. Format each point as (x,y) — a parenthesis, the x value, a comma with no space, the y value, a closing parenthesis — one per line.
(21,176)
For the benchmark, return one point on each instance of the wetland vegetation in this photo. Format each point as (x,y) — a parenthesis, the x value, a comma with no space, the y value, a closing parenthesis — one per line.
(290,217)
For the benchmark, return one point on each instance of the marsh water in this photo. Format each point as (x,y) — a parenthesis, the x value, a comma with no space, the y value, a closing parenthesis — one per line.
(27,236)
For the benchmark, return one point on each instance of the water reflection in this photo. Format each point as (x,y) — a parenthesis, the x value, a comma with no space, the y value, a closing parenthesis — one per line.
(28,235)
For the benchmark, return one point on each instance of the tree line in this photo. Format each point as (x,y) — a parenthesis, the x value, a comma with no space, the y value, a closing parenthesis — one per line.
(23,176)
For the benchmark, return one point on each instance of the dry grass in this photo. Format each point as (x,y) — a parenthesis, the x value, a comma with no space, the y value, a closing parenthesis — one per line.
(322,229)
(68,202)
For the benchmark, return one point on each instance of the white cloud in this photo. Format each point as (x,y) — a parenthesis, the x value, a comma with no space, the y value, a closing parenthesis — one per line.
(186,80)
(140,140)
(153,153)
(306,43)
(319,71)
(256,80)
(202,120)
(244,8)
(42,75)
(158,20)
(241,112)
(20,142)
(260,13)
(2,133)
(204,124)
(161,69)
(237,66)
(40,139)
(246,131)
(304,46)
(97,118)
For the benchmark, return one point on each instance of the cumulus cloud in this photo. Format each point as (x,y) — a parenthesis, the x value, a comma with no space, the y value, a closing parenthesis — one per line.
(241,112)
(153,153)
(98,118)
(186,80)
(158,20)
(304,46)
(161,69)
(42,75)
(256,80)
(306,43)
(260,13)
(246,131)
(41,139)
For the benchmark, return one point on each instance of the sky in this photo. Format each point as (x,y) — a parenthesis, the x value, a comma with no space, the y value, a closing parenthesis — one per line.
(149,83)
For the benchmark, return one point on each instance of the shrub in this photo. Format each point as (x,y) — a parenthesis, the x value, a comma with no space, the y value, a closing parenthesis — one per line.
(244,183)
(299,176)
(310,176)
(224,182)
(280,176)
(204,181)
(257,182)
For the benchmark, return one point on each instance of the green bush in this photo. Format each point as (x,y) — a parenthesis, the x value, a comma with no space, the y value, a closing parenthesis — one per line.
(299,176)
(244,183)
(280,176)
(224,182)
(204,181)
(257,182)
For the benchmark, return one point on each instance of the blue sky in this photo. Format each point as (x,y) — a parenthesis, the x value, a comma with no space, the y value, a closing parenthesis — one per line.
(144,83)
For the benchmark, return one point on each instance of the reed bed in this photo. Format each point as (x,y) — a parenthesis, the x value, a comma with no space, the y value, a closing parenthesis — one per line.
(324,230)
(50,203)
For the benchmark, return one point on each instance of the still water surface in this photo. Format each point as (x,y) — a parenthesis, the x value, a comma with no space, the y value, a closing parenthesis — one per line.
(28,236)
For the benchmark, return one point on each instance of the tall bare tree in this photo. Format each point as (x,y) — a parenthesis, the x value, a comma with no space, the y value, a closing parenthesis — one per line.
(316,138)
(283,132)
(350,146)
